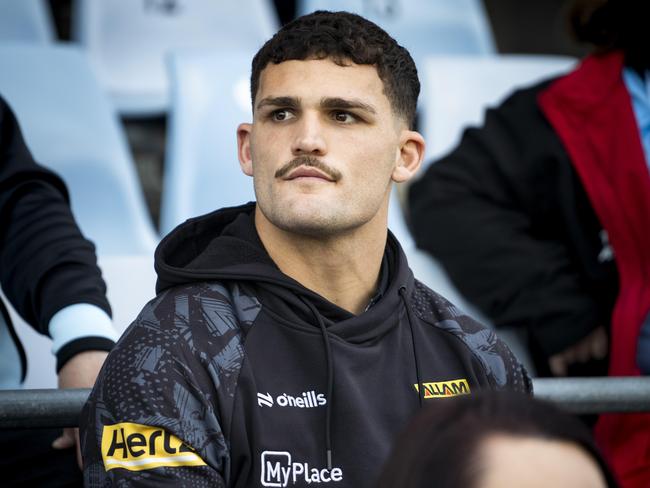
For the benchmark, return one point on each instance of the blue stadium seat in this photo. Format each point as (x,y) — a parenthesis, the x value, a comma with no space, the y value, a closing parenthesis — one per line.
(210,97)
(423,27)
(128,41)
(69,126)
(26,21)
(459,89)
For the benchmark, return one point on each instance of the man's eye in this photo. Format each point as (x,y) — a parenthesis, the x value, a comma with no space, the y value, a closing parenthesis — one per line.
(343,117)
(280,115)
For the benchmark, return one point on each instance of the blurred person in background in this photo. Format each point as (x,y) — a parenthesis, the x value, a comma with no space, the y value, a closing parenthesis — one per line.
(541,217)
(48,272)
(495,440)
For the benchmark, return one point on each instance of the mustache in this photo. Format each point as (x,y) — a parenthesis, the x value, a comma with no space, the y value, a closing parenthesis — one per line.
(309,161)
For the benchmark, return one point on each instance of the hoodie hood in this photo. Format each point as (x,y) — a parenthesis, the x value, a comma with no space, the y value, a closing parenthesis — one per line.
(221,245)
(224,246)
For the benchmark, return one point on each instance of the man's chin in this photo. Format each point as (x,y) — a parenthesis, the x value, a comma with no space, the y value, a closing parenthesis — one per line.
(307,227)
(314,224)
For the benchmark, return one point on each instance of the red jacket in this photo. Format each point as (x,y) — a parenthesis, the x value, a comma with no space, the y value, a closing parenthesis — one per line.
(591,111)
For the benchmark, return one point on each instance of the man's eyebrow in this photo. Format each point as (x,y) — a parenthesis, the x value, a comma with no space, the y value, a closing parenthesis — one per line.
(344,103)
(289,102)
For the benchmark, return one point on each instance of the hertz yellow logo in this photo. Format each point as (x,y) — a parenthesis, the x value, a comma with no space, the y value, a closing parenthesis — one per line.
(441,389)
(137,447)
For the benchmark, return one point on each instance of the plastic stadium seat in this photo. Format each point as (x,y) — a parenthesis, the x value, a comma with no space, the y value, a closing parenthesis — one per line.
(128,40)
(459,89)
(210,97)
(25,20)
(423,27)
(70,127)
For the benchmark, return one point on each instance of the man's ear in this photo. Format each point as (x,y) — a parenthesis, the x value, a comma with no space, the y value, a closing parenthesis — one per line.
(244,148)
(411,154)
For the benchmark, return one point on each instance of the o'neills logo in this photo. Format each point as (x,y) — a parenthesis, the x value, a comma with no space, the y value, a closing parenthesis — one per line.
(137,447)
(279,470)
(307,399)
(441,389)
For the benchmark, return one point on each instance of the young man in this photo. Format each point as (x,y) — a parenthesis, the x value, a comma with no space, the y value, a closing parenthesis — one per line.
(289,342)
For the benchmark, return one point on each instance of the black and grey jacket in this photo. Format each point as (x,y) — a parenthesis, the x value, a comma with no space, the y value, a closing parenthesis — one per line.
(236,375)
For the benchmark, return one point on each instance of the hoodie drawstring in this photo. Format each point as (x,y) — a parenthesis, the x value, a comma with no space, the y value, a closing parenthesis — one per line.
(330,369)
(402,293)
(330,383)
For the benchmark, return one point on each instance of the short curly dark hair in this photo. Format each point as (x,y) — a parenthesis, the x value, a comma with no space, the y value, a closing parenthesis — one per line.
(344,37)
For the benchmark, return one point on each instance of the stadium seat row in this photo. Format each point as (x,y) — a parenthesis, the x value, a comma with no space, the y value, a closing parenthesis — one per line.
(128,40)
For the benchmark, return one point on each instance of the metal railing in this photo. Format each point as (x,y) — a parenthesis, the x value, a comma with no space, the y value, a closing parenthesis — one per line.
(596,395)
(41,408)
(62,408)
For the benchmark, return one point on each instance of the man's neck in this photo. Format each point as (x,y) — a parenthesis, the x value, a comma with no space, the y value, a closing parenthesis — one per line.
(344,269)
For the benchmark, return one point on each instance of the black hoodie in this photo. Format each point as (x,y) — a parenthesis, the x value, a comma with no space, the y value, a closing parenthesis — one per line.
(237,375)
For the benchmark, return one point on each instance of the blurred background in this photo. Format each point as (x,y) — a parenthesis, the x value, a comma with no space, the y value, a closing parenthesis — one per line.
(517,27)
(135,104)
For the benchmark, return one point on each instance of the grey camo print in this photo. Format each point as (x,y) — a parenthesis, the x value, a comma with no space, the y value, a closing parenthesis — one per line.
(497,359)
(165,372)
(484,344)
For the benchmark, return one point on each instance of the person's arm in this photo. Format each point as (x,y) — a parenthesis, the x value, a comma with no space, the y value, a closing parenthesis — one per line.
(155,415)
(48,270)
(45,262)
(46,265)
(490,212)
(76,331)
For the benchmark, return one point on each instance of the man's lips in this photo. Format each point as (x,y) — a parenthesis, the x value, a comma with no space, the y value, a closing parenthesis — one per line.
(308,167)
(307,172)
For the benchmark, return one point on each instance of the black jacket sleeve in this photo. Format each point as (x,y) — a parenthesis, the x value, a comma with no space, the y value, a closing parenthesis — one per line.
(506,215)
(161,408)
(45,262)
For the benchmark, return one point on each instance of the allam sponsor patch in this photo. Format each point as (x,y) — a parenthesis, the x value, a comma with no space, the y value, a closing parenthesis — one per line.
(442,389)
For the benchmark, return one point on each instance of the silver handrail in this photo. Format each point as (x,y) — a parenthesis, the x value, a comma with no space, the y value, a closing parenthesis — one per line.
(62,408)
(596,395)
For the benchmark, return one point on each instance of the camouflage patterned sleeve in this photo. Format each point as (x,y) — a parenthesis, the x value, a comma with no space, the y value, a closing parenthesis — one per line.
(502,369)
(155,415)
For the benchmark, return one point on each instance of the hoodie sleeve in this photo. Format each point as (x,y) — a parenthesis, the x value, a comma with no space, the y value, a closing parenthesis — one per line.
(497,367)
(46,264)
(506,216)
(158,413)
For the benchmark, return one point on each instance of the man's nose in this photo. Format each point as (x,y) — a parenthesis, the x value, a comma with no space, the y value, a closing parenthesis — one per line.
(309,137)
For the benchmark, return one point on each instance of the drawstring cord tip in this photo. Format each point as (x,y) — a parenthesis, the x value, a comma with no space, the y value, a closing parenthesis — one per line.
(329,459)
